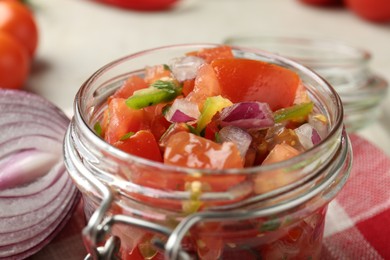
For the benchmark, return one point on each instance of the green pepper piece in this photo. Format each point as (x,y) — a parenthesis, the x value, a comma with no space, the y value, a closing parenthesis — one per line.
(159,92)
(296,112)
(98,129)
(211,106)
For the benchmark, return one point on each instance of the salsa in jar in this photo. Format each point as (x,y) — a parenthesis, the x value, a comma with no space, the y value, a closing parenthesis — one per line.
(210,110)
(236,155)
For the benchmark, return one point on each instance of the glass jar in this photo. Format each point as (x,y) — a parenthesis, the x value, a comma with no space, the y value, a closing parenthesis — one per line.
(345,67)
(139,209)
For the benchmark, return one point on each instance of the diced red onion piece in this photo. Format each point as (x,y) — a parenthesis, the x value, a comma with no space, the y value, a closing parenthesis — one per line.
(308,135)
(237,136)
(247,115)
(315,138)
(36,193)
(319,125)
(182,111)
(186,67)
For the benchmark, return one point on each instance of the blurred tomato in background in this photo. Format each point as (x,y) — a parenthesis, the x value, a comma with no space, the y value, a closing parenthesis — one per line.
(14,62)
(372,10)
(17,20)
(142,5)
(18,43)
(322,2)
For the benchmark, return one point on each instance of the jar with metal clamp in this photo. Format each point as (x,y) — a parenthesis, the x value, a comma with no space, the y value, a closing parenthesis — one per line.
(140,209)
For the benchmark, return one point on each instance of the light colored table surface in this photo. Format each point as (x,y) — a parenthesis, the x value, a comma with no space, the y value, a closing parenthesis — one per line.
(79,36)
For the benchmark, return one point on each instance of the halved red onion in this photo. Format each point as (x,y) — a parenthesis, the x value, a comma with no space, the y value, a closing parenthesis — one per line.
(34,187)
(182,111)
(308,136)
(34,243)
(36,193)
(18,129)
(238,136)
(247,115)
(41,118)
(46,144)
(185,67)
(24,167)
(19,233)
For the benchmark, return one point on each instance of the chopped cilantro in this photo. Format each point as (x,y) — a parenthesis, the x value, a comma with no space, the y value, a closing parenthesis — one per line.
(166,85)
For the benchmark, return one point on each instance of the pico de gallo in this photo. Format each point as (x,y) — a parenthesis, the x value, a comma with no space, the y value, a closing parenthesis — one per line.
(211,110)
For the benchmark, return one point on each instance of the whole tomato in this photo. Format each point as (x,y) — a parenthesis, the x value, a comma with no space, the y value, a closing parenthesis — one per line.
(372,10)
(17,20)
(142,5)
(14,62)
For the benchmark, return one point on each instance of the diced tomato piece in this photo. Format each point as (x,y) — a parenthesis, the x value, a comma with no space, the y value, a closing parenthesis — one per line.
(252,80)
(210,131)
(173,129)
(189,150)
(206,85)
(210,54)
(156,72)
(122,120)
(132,84)
(188,86)
(270,180)
(142,144)
(158,123)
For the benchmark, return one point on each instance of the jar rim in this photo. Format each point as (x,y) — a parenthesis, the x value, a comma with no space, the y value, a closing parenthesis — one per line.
(80,116)
(342,53)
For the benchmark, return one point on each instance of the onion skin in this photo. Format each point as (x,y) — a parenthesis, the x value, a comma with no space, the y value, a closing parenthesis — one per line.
(37,196)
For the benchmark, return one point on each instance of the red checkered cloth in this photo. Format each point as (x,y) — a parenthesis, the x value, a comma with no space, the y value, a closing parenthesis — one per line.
(358,221)
(357,224)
